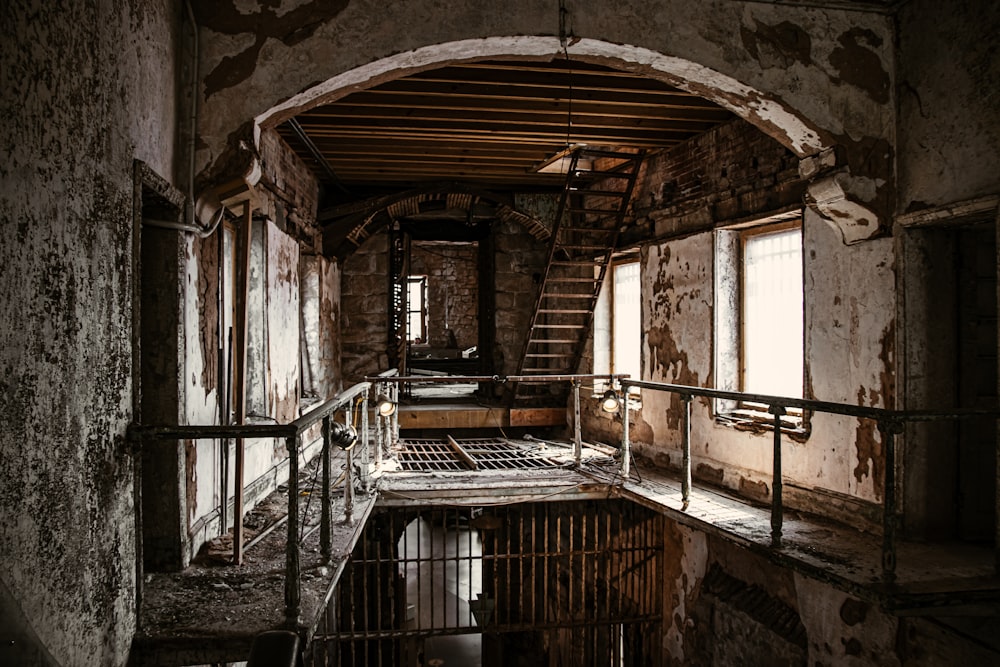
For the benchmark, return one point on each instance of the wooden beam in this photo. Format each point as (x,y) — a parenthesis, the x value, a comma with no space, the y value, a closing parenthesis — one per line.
(464,456)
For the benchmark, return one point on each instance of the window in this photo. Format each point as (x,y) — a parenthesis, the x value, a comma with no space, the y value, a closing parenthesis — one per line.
(416,309)
(772,312)
(759,312)
(617,322)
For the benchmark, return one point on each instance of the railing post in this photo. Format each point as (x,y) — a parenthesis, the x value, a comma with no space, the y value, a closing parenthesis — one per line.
(394,419)
(889,429)
(776,508)
(366,477)
(380,426)
(325,518)
(626,446)
(293,593)
(686,453)
(577,440)
(349,479)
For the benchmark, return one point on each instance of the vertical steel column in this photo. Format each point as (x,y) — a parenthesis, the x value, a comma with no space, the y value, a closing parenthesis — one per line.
(776,508)
(394,419)
(366,476)
(626,447)
(380,427)
(889,429)
(577,441)
(293,593)
(325,519)
(686,453)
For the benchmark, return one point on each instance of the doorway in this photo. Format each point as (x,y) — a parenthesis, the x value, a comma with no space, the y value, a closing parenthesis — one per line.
(950,306)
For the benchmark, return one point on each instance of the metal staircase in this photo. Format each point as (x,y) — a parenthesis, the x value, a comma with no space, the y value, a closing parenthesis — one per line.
(585,233)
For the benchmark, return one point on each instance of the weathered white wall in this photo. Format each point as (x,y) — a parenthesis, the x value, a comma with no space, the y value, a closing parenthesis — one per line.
(88,87)
(849,354)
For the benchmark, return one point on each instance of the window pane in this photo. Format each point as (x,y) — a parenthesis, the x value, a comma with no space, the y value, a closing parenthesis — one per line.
(627,319)
(772,342)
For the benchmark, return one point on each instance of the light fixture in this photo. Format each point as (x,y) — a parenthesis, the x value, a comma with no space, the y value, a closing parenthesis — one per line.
(385,406)
(342,435)
(610,402)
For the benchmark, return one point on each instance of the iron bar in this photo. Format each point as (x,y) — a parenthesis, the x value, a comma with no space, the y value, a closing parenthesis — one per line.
(686,453)
(349,488)
(889,429)
(577,437)
(776,508)
(366,473)
(626,446)
(325,539)
(293,591)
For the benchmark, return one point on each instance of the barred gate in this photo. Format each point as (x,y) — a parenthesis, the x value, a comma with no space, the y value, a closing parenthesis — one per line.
(572,583)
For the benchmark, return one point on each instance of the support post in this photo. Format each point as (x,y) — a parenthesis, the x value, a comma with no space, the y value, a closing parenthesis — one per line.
(889,429)
(381,424)
(293,592)
(686,453)
(776,507)
(326,519)
(349,477)
(626,446)
(366,473)
(577,440)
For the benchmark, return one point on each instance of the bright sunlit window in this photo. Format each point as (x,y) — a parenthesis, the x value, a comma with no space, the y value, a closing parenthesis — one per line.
(618,322)
(772,311)
(416,309)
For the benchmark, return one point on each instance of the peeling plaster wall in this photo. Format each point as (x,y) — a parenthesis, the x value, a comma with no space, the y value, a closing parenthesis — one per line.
(319,281)
(949,102)
(69,138)
(849,353)
(282,299)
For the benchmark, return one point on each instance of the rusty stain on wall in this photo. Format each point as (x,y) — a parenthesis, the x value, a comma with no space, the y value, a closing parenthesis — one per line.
(710,474)
(205,252)
(289,27)
(779,45)
(858,65)
(871,457)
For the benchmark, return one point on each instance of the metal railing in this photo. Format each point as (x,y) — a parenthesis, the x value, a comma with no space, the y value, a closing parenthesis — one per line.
(889,423)
(291,434)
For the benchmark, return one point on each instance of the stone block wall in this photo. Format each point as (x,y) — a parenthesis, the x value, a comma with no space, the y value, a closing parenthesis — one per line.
(452,291)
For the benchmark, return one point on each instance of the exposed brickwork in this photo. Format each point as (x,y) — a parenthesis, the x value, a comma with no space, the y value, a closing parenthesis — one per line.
(290,190)
(732,172)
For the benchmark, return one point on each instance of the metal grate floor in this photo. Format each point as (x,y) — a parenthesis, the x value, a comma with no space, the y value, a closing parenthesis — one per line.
(421,455)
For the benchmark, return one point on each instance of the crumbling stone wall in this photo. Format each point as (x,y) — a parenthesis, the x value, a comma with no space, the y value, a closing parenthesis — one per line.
(452,292)
(364,302)
(88,88)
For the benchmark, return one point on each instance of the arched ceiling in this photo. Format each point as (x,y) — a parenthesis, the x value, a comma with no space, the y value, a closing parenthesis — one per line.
(490,124)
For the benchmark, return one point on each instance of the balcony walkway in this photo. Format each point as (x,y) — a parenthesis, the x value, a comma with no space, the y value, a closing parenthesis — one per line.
(211,611)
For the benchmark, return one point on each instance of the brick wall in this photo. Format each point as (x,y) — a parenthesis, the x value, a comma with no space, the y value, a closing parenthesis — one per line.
(290,192)
(731,173)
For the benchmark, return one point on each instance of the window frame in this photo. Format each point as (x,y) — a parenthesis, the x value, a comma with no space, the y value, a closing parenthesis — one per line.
(606,308)
(731,336)
(422,279)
